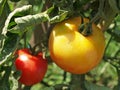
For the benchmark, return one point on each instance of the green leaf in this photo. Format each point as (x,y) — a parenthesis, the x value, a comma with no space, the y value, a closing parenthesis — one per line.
(115,34)
(27,21)
(2,4)
(5,79)
(59,18)
(2,40)
(22,9)
(3,16)
(10,45)
(14,85)
(5,28)
(22,23)
(4,59)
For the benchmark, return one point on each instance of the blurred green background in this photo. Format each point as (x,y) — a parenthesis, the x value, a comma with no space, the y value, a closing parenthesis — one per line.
(106,74)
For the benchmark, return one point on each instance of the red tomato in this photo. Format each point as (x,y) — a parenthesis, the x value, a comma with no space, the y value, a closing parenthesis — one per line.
(33,68)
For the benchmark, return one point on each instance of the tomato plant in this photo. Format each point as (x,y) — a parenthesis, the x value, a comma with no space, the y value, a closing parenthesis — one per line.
(75,44)
(33,67)
(73,51)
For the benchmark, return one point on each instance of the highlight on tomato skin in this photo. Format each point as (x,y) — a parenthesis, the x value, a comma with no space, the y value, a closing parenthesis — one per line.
(33,67)
(74,52)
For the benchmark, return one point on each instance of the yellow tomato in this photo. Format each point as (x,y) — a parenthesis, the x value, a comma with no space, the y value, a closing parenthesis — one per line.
(74,52)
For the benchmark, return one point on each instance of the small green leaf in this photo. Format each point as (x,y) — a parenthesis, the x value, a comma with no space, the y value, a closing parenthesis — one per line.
(59,18)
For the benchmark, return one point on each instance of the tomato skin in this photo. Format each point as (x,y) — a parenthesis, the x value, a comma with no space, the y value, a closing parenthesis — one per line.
(74,52)
(33,68)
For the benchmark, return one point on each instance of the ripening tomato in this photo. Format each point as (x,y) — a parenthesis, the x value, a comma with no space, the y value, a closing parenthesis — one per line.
(71,50)
(33,68)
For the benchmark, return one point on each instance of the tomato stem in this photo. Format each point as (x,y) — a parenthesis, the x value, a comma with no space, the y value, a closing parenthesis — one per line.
(78,82)
(19,86)
(37,48)
(25,41)
(86,29)
(64,75)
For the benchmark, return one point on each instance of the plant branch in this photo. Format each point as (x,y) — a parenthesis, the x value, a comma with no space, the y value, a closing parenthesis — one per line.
(78,82)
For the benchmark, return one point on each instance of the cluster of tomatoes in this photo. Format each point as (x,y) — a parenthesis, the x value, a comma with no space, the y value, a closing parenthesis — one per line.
(69,49)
